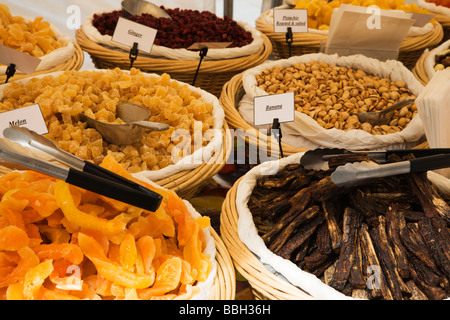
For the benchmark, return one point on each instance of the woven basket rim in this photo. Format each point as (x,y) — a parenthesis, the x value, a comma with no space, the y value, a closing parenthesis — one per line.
(73,63)
(212,66)
(259,277)
(419,69)
(224,286)
(443,20)
(313,39)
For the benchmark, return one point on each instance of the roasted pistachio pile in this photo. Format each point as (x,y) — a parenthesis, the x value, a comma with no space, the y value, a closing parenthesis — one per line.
(331,94)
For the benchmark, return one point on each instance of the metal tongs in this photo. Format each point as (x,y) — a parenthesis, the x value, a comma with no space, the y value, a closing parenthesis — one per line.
(81,173)
(353,174)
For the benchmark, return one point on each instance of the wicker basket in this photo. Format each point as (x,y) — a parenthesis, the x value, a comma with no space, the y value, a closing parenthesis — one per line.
(263,283)
(303,43)
(212,74)
(419,70)
(224,286)
(231,95)
(74,63)
(186,183)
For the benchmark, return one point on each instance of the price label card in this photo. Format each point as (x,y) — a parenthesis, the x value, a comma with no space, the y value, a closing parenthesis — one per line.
(273,106)
(296,19)
(128,32)
(30,117)
(23,61)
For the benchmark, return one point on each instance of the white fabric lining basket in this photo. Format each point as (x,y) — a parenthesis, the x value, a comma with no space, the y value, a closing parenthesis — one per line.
(284,268)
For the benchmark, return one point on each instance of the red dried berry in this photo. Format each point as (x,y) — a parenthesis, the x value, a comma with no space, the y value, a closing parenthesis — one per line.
(184,29)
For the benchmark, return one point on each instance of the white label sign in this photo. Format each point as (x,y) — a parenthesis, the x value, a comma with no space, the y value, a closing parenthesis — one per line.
(23,61)
(128,32)
(296,19)
(273,106)
(30,117)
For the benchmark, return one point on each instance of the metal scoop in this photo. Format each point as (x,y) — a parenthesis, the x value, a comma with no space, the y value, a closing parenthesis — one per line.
(138,7)
(384,116)
(131,131)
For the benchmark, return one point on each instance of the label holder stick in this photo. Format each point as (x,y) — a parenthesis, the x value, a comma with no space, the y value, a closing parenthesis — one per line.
(289,40)
(133,53)
(10,71)
(203,52)
(276,131)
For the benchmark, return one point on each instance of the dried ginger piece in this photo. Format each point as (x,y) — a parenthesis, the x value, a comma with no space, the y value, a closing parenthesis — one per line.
(35,37)
(96,93)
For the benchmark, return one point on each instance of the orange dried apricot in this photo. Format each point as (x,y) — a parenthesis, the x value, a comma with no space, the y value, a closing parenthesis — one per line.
(13,238)
(167,279)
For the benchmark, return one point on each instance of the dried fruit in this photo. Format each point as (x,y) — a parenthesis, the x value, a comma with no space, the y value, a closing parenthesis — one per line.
(82,252)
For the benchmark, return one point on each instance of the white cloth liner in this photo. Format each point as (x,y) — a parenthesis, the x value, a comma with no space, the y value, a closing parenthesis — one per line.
(177,54)
(413,31)
(305,132)
(429,62)
(189,162)
(248,233)
(56,57)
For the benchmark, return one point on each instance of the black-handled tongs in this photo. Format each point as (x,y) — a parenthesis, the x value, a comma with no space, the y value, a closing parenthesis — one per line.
(81,173)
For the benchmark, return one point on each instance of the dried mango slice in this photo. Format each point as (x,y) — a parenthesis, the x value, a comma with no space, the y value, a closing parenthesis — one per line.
(128,253)
(28,260)
(35,277)
(167,279)
(120,276)
(193,253)
(147,250)
(80,218)
(15,291)
(54,251)
(109,270)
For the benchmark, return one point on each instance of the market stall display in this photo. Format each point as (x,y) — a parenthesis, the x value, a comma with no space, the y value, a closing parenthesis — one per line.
(190,151)
(308,219)
(328,89)
(319,15)
(170,54)
(40,39)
